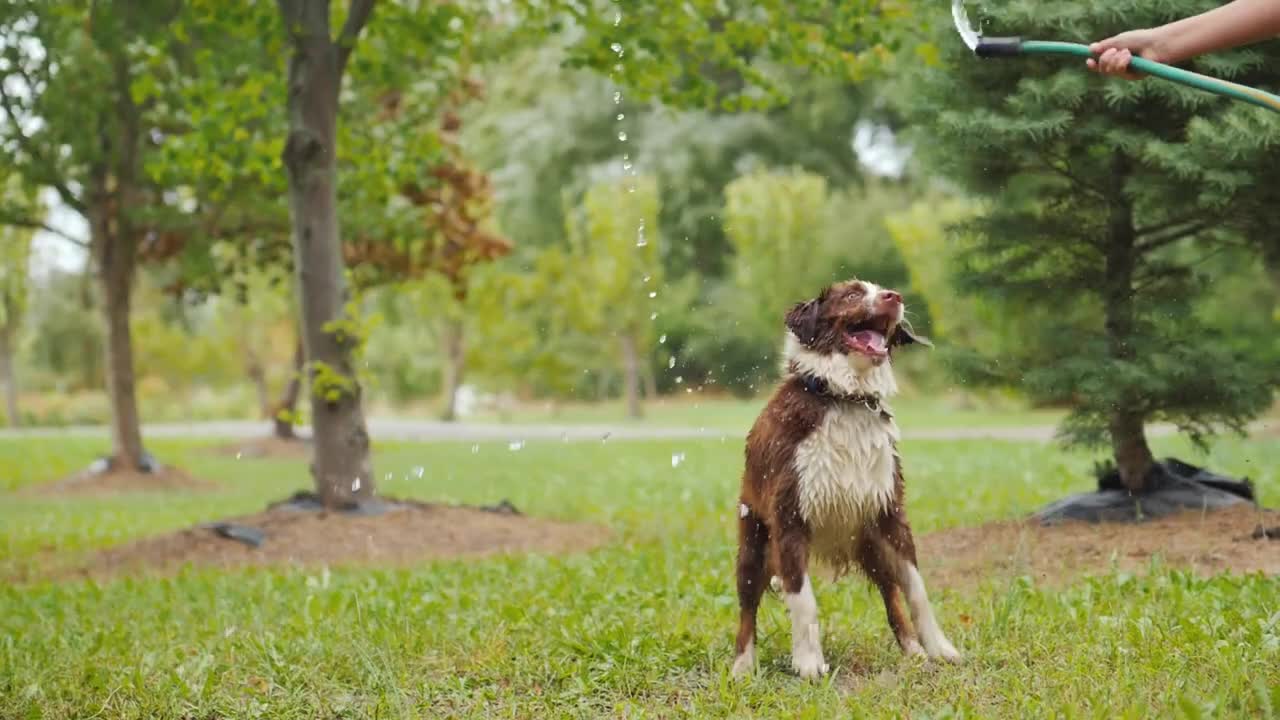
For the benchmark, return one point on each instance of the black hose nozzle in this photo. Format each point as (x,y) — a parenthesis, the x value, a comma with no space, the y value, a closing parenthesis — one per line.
(998,47)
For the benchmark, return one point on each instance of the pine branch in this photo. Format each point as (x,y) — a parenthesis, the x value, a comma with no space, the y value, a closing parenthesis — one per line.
(1161,227)
(1155,243)
(1064,171)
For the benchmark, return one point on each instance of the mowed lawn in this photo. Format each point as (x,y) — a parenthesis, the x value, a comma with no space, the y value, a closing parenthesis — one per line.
(640,628)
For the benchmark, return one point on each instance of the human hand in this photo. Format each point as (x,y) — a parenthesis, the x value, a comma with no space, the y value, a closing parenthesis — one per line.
(1114,54)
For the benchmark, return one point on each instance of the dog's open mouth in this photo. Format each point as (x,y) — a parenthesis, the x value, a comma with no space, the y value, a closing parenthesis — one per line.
(869,337)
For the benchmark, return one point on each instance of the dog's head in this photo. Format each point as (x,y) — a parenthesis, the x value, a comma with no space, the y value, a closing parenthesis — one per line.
(855,318)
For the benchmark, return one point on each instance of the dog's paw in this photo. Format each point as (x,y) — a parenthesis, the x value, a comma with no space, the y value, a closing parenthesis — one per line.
(942,649)
(948,653)
(809,665)
(912,648)
(745,664)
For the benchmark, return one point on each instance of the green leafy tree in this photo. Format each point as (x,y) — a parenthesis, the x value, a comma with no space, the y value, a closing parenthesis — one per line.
(66,355)
(546,130)
(537,308)
(15,253)
(775,223)
(368,160)
(615,242)
(1085,220)
(77,123)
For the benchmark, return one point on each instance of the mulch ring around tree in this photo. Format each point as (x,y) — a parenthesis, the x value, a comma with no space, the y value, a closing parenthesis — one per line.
(102,479)
(1240,539)
(268,447)
(388,533)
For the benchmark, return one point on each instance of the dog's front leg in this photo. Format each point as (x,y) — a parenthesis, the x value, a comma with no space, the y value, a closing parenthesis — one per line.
(806,640)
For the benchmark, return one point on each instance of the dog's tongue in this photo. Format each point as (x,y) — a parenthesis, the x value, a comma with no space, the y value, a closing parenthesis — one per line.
(870,342)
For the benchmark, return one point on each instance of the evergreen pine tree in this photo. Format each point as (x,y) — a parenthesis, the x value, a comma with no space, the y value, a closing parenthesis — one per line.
(1102,198)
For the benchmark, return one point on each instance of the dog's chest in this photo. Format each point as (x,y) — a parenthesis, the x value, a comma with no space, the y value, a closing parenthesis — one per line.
(846,469)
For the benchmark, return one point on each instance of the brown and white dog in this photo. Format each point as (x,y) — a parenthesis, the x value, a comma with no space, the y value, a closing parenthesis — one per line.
(823,478)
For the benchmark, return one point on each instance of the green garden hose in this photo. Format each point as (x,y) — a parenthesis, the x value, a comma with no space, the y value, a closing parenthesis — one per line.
(1014,46)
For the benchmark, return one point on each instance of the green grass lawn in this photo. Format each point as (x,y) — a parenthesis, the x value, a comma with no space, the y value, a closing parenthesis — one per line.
(641,628)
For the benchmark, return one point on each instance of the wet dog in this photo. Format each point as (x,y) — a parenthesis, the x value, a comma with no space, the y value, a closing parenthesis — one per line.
(823,477)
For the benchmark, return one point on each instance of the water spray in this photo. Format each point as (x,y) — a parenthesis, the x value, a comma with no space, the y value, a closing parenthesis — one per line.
(1001,47)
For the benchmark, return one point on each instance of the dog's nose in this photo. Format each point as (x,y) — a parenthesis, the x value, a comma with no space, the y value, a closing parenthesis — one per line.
(890,297)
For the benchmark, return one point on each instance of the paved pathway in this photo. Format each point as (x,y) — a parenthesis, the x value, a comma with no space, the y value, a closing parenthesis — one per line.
(433,431)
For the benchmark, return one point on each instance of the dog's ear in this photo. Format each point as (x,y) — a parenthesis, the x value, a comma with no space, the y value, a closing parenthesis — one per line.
(802,320)
(904,335)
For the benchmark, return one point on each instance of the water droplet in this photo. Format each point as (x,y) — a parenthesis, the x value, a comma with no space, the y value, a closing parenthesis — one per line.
(617,19)
(671,363)
(676,459)
(679,379)
(516,445)
(475,449)
(641,240)
(355,485)
(238,455)
(647,278)
(621,116)
(617,48)
(653,295)
(662,339)
(743,510)
(419,471)
(622,136)
(653,316)
(617,97)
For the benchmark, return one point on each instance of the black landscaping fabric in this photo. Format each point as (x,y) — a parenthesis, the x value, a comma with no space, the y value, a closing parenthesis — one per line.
(1173,486)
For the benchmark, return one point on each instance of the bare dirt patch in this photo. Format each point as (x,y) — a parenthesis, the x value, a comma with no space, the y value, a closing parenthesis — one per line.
(267,447)
(89,482)
(410,533)
(1206,543)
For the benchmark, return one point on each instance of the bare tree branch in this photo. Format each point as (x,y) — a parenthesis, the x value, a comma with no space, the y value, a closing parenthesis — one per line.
(25,222)
(24,142)
(357,17)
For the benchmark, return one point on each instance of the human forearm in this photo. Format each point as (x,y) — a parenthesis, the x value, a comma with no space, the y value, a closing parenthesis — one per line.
(1237,23)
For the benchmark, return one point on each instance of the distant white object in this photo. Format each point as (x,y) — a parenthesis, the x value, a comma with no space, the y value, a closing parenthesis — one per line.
(878,149)
(465,400)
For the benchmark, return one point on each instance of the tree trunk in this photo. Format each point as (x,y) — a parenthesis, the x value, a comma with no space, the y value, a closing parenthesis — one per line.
(1128,439)
(631,368)
(454,349)
(650,381)
(287,410)
(1271,261)
(341,469)
(258,376)
(117,263)
(7,376)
